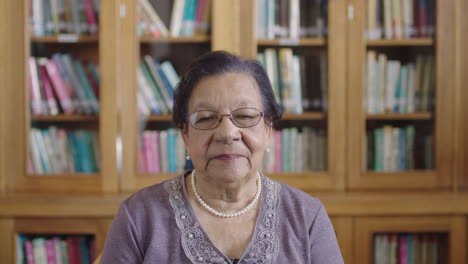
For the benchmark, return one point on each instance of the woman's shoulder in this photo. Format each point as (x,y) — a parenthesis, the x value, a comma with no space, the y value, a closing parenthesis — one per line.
(154,196)
(291,198)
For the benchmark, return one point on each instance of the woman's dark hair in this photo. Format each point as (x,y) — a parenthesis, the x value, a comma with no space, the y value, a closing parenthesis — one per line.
(217,63)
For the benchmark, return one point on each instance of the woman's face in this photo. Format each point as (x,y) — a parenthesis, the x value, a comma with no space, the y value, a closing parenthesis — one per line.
(226,152)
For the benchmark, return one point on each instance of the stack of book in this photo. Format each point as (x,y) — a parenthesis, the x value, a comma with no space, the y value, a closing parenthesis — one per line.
(296,150)
(398,19)
(61,84)
(298,81)
(54,17)
(393,149)
(58,151)
(55,249)
(188,18)
(162,151)
(291,19)
(156,85)
(394,87)
(408,248)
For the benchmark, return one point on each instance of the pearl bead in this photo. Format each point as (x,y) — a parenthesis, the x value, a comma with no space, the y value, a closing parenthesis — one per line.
(217,213)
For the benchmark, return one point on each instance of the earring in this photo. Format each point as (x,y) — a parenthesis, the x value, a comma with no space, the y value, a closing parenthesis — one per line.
(187,157)
(268,149)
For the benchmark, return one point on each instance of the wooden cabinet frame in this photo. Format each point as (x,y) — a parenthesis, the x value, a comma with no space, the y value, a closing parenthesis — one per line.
(365,227)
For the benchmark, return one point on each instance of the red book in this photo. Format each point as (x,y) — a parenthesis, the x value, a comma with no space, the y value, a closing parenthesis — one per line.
(49,95)
(73,244)
(59,86)
(90,17)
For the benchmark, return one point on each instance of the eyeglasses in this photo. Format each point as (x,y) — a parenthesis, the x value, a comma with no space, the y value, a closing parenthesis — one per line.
(242,118)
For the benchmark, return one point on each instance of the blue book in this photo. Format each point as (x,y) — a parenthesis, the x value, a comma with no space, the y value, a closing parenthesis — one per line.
(188,22)
(402,151)
(410,249)
(171,147)
(84,252)
(167,85)
(72,141)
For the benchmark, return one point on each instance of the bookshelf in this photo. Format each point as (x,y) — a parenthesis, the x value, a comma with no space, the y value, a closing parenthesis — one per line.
(332,45)
(82,47)
(361,202)
(439,122)
(451,230)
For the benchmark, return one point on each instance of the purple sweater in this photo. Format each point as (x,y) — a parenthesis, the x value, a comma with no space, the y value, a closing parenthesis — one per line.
(158,225)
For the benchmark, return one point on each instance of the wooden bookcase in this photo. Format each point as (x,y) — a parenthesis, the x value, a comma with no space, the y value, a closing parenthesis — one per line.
(334,44)
(453,226)
(86,202)
(441,120)
(17,91)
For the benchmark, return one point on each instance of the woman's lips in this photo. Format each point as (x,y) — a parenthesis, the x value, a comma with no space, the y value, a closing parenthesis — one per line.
(228,156)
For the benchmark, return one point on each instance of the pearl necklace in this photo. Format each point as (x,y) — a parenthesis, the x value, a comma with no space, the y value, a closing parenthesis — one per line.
(218,213)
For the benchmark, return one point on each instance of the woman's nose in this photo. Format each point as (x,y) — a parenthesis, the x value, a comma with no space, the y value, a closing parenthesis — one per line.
(226,132)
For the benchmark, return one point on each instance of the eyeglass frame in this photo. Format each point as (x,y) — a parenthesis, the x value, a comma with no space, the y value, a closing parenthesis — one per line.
(262,115)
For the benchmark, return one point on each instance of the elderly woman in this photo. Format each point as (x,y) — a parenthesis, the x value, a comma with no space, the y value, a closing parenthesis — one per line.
(225,210)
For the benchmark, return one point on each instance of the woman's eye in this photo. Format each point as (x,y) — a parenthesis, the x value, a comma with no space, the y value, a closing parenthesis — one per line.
(205,119)
(244,117)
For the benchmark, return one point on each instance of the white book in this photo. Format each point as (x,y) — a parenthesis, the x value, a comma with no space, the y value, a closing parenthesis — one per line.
(299,154)
(397,20)
(39,251)
(143,108)
(50,151)
(382,81)
(38,18)
(170,73)
(147,96)
(270,19)
(297,85)
(261,19)
(371,19)
(408,18)
(388,19)
(35,152)
(36,97)
(370,96)
(387,148)
(411,84)
(177,17)
(271,62)
(393,70)
(155,18)
(42,150)
(294,19)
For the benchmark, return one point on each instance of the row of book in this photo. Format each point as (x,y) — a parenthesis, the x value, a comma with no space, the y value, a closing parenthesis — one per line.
(188,18)
(424,248)
(292,19)
(63,85)
(400,19)
(298,81)
(57,151)
(393,149)
(396,87)
(54,17)
(156,85)
(296,150)
(72,249)
(161,151)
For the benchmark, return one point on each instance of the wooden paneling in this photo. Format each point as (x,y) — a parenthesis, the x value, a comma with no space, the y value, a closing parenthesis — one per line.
(4,33)
(344,233)
(7,238)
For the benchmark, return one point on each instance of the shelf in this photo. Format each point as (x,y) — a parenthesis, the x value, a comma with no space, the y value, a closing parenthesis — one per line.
(293,42)
(186,40)
(304,116)
(396,116)
(159,118)
(402,42)
(64,118)
(65,38)
(68,175)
